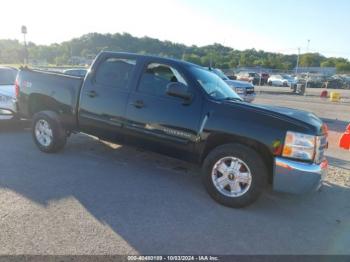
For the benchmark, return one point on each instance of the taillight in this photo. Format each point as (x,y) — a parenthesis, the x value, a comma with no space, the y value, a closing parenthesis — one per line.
(17,89)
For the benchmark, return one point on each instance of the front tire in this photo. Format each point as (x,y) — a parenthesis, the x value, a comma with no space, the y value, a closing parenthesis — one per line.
(48,133)
(234,175)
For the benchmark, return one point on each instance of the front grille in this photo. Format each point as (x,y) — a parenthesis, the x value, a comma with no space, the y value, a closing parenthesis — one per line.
(321,146)
(250,91)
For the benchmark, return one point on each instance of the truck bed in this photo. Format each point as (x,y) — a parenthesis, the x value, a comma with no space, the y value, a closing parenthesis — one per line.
(41,90)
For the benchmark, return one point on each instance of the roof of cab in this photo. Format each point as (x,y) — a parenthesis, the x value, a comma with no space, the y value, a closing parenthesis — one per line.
(164,59)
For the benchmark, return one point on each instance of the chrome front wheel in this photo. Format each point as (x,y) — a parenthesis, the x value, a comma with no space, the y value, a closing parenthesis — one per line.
(231,176)
(234,174)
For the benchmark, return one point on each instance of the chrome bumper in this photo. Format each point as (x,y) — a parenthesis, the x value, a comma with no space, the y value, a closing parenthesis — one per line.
(8,109)
(298,177)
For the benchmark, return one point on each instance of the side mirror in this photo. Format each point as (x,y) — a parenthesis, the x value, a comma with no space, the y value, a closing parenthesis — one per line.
(179,90)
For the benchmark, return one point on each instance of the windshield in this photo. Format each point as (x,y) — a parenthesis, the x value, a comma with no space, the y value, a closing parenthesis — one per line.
(220,74)
(7,76)
(213,85)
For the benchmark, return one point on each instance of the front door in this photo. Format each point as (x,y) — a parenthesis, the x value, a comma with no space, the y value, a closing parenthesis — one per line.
(158,121)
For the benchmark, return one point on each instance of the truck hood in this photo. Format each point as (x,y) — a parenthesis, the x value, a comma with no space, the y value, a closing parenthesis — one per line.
(300,115)
(7,90)
(294,116)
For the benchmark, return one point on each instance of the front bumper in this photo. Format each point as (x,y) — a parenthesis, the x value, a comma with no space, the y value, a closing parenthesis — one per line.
(298,177)
(8,109)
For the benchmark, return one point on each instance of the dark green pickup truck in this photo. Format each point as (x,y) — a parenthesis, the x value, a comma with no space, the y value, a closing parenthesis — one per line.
(182,110)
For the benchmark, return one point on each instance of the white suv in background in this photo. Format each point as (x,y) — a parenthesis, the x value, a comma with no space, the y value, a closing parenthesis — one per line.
(8,106)
(281,80)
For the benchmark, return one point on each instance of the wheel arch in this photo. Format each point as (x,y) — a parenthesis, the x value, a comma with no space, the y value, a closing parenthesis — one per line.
(38,103)
(215,140)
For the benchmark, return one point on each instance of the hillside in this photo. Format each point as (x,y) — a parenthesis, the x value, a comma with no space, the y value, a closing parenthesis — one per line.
(12,51)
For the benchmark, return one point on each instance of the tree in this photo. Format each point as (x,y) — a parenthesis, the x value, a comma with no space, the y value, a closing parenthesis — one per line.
(311,59)
(11,51)
(193,58)
(343,67)
(328,63)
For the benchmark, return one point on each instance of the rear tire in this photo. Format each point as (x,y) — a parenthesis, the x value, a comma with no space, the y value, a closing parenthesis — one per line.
(249,161)
(48,133)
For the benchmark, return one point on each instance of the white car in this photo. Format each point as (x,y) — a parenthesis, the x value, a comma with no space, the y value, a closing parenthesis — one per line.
(281,80)
(8,106)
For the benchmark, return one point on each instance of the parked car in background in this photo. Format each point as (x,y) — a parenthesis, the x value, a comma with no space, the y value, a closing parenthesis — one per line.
(346,81)
(337,82)
(282,80)
(251,77)
(244,89)
(312,80)
(231,76)
(8,107)
(264,77)
(76,72)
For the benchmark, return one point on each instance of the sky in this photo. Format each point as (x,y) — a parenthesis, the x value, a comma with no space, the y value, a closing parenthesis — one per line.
(271,25)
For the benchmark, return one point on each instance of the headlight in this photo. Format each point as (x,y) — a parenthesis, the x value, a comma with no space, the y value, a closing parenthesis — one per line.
(239,90)
(300,146)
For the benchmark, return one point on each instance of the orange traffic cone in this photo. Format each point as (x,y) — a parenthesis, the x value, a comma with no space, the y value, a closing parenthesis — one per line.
(344,141)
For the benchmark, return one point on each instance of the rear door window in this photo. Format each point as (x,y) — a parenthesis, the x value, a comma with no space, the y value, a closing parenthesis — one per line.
(115,73)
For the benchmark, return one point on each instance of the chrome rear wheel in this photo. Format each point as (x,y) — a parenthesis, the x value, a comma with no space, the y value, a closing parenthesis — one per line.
(47,132)
(43,132)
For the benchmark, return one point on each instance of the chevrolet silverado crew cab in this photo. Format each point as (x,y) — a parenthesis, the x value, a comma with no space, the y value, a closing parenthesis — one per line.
(182,110)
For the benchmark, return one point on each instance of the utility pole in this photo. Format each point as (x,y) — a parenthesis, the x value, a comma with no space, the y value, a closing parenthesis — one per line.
(24,32)
(297,66)
(308,73)
(308,46)
(211,61)
(260,76)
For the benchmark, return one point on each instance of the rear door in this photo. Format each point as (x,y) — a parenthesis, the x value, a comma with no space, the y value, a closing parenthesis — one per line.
(104,97)
(158,121)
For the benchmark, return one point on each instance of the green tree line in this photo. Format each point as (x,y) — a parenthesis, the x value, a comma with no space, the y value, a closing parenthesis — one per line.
(89,45)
